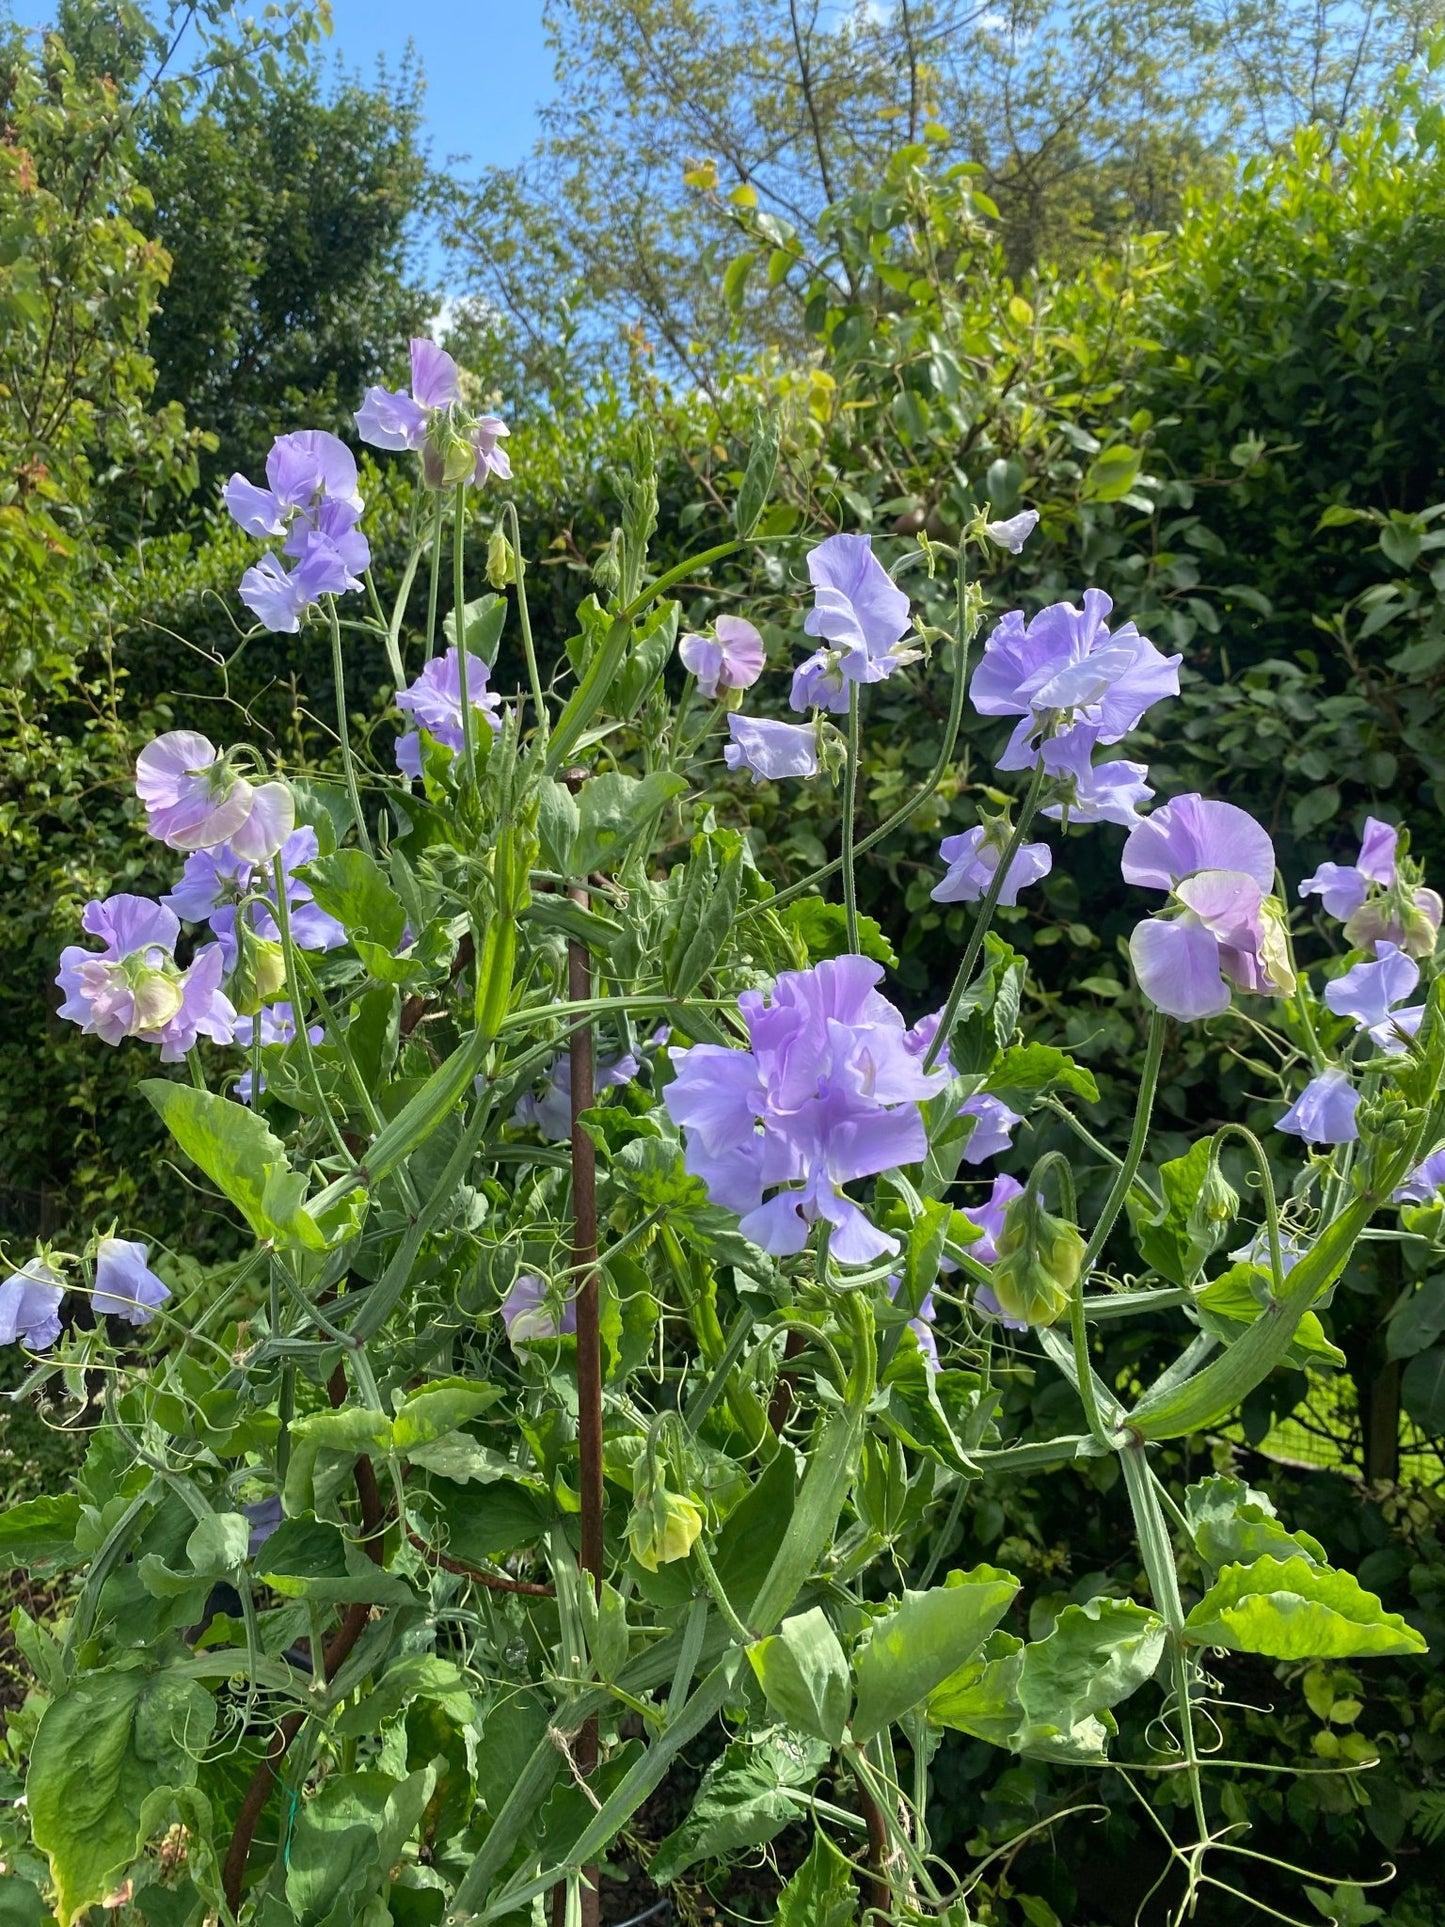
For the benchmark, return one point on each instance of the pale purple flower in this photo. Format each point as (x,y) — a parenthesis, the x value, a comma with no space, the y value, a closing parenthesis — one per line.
(993,1129)
(1089,792)
(989,1217)
(974,856)
(531,1311)
(312,501)
(1424,1182)
(214,881)
(828,1093)
(278,1026)
(130,987)
(195,800)
(1218,864)
(30,1306)
(1065,669)
(487,431)
(303,471)
(1013,531)
(387,419)
(551,1112)
(205,1010)
(1342,887)
(1369,993)
(125,1286)
(1368,898)
(434,702)
(771,750)
(1324,1111)
(731,658)
(921,1325)
(263,1516)
(862,616)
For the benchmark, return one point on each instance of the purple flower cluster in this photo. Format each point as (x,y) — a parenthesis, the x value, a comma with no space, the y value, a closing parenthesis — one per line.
(1223,927)
(828,1093)
(434,703)
(311,501)
(453,446)
(213,883)
(1373,900)
(1065,676)
(124,1287)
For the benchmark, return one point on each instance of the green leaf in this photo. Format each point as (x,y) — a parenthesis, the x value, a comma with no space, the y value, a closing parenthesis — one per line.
(346,1836)
(757,484)
(20,1903)
(753,1532)
(1027,1072)
(1422,1390)
(417,1676)
(1294,1609)
(310,1559)
(241,1158)
(923,1641)
(803,1671)
(1418,1322)
(1165,1240)
(40,1532)
(351,886)
(483,621)
(439,1408)
(558,819)
(488,1521)
(1230,1304)
(823,929)
(747,1796)
(1050,1699)
(106,1752)
(821,1893)
(1111,476)
(712,883)
(1234,1525)
(613,812)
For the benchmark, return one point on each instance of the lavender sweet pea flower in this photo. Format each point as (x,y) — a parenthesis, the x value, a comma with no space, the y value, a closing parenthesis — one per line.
(771,750)
(989,1217)
(390,420)
(491,460)
(860,613)
(1013,531)
(193,799)
(434,702)
(30,1306)
(309,467)
(1341,887)
(828,1094)
(1369,993)
(1064,667)
(205,1009)
(820,683)
(312,501)
(125,1286)
(551,1113)
(213,882)
(1089,792)
(974,856)
(130,987)
(1324,1111)
(731,658)
(1256,1252)
(1218,864)
(530,1311)
(1425,1182)
(993,1130)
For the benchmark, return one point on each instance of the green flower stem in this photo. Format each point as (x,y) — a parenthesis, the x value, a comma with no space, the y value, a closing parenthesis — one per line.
(298,1009)
(985,914)
(1138,1138)
(391,631)
(524,619)
(436,573)
(1083,1363)
(336,1037)
(1085,1136)
(930,783)
(850,807)
(1157,1552)
(193,1065)
(343,731)
(739,1631)
(459,621)
(1266,1186)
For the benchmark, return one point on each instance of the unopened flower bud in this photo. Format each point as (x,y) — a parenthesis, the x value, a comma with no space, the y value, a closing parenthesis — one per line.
(260,971)
(607,569)
(1039,1259)
(1274,950)
(663,1524)
(501,563)
(447,457)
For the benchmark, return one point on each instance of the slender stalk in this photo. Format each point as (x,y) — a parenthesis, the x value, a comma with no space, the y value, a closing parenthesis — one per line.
(589,1341)
(735,1626)
(459,622)
(850,807)
(436,574)
(343,731)
(524,620)
(298,1010)
(1083,1364)
(1134,1155)
(985,914)
(1158,1555)
(398,616)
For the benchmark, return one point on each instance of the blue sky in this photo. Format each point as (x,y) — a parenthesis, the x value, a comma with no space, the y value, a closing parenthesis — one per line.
(487,67)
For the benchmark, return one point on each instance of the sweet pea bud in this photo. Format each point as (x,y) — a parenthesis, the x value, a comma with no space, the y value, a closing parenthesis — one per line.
(663,1525)
(260,972)
(501,563)
(832,751)
(156,991)
(1039,1259)
(607,569)
(1214,1210)
(447,455)
(1420,914)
